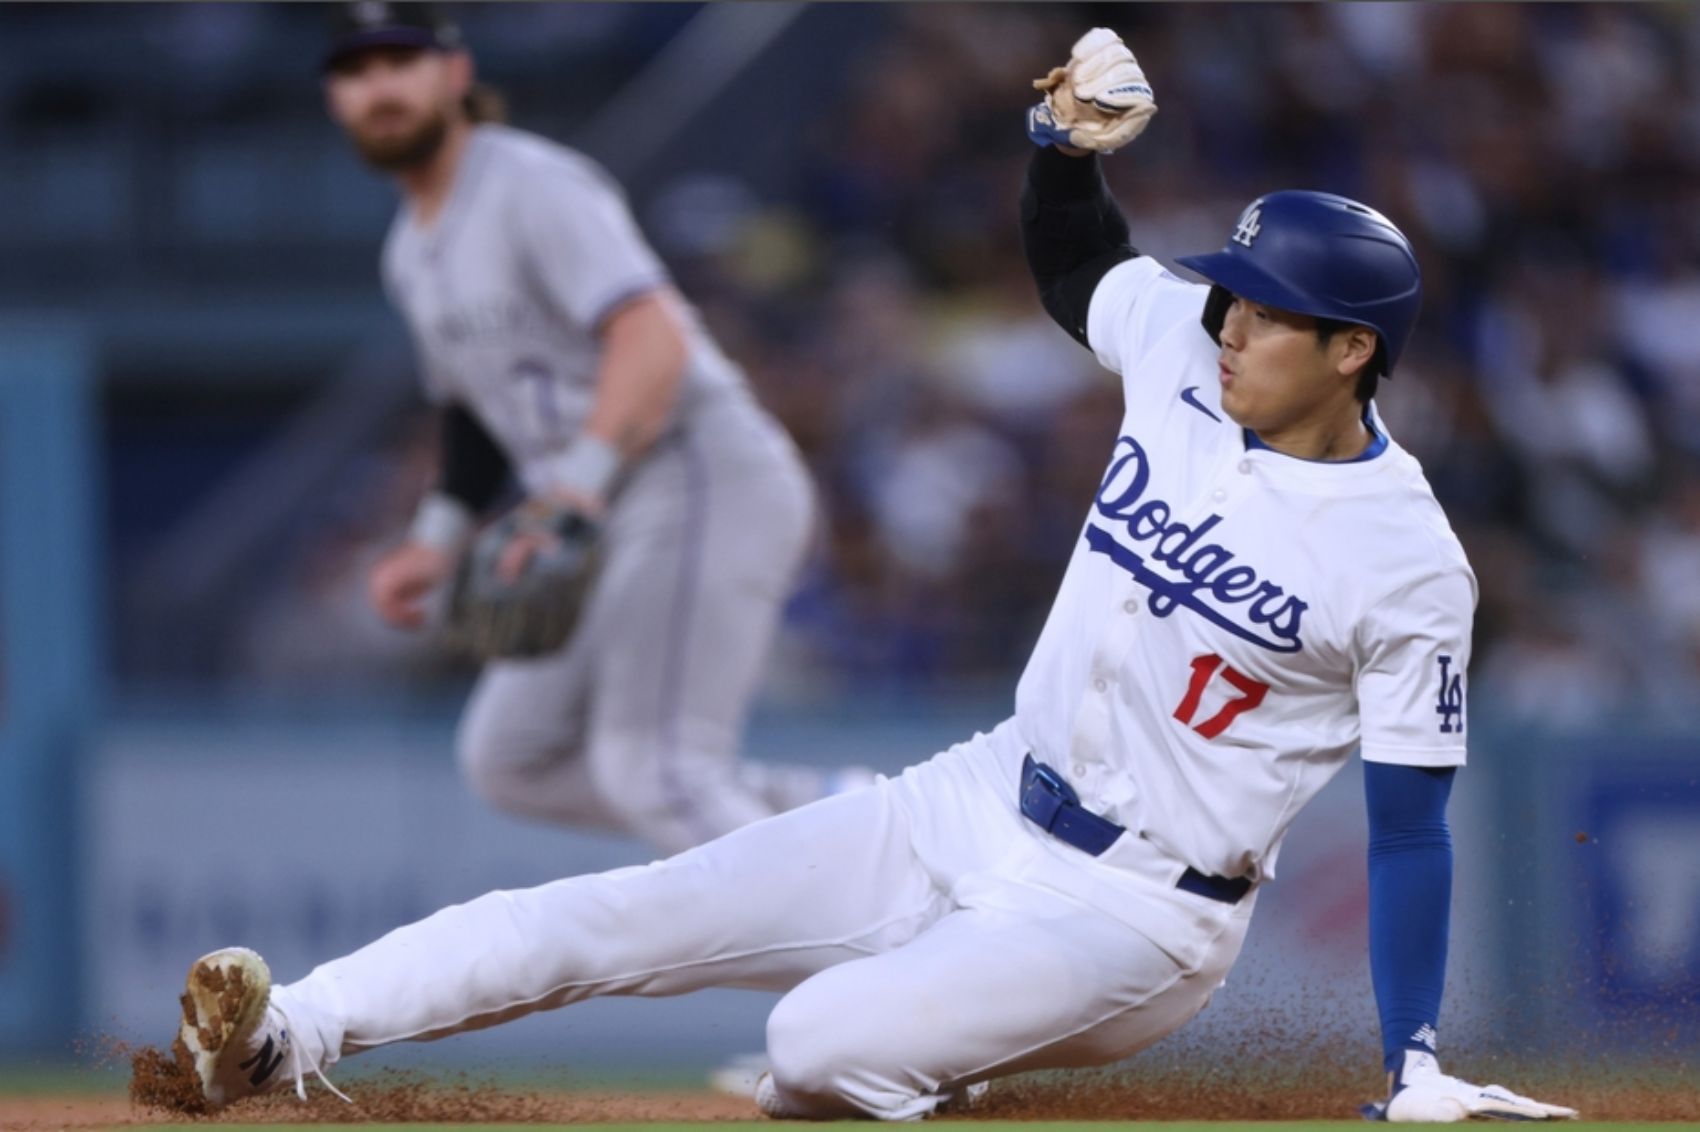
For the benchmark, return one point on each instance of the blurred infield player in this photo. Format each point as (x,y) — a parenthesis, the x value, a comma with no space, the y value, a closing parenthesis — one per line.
(1263,583)
(553,342)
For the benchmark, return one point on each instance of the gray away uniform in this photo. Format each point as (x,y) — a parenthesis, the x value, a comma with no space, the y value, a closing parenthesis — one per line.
(635,726)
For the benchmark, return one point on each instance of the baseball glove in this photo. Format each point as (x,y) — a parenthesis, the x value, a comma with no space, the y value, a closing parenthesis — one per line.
(534,613)
(1100,101)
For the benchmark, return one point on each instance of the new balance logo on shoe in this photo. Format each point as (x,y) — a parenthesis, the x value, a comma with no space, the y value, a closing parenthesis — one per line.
(265,1062)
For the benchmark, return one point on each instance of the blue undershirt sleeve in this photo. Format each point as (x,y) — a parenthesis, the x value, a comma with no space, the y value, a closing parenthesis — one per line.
(1410,899)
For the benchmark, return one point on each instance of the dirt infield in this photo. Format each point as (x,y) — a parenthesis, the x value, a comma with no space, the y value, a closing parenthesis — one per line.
(1228,1096)
(391,1103)
(1230,1088)
(389,1099)
(1229,1091)
(418,1102)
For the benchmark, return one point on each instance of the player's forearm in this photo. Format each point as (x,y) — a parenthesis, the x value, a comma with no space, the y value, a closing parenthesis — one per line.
(1073,233)
(637,385)
(643,366)
(1410,895)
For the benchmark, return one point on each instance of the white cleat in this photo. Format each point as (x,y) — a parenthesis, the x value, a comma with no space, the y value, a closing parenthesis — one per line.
(767,1099)
(237,1044)
(739,1076)
(236,1040)
(965,1099)
(955,1101)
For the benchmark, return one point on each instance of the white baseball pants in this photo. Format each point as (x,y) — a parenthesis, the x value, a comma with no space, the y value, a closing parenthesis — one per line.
(928,937)
(636,725)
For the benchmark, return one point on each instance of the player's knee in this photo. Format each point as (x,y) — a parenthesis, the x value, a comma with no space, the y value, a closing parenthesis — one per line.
(493,784)
(804,1061)
(821,1074)
(488,765)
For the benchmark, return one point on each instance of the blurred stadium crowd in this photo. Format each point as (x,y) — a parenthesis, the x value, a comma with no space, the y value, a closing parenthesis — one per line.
(1545,159)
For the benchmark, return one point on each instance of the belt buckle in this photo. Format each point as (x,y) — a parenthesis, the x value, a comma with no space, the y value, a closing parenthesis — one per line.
(1055,784)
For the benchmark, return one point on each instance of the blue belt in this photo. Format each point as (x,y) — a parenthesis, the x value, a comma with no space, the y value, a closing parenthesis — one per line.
(1049,802)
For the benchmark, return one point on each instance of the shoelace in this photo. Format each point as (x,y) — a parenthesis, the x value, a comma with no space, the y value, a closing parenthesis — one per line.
(295,1064)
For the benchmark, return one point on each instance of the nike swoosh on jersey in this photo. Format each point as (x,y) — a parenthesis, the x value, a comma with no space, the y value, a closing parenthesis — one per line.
(1190,396)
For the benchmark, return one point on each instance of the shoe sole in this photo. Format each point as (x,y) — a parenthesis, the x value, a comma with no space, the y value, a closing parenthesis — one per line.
(224,999)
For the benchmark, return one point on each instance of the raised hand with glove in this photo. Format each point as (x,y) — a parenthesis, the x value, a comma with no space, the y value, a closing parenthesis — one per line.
(1422,1094)
(1099,101)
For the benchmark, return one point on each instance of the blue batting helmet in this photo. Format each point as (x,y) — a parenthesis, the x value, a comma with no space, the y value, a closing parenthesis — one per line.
(1321,255)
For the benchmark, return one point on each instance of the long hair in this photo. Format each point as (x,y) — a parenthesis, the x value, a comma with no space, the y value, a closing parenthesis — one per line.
(484,103)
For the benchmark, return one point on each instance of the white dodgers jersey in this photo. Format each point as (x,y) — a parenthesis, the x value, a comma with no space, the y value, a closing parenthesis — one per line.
(1234,621)
(506,290)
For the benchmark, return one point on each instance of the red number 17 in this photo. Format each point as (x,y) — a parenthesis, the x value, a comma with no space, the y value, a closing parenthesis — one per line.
(1203,668)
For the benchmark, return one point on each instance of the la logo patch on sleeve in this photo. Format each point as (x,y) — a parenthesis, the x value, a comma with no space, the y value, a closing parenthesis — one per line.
(1450,704)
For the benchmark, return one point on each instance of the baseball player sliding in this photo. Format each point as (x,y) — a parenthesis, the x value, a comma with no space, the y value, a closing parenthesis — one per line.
(555,346)
(1262,584)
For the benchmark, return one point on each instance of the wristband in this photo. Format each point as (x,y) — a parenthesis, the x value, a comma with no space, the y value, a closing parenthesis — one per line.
(442,523)
(1042,128)
(586,468)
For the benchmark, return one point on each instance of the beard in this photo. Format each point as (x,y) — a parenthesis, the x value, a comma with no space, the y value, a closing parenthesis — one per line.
(408,149)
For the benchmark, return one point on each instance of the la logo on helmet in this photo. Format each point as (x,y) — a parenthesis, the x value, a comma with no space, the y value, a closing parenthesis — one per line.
(1250,224)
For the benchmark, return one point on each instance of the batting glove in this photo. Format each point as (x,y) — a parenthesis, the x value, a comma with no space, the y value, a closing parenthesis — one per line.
(1100,101)
(1422,1094)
